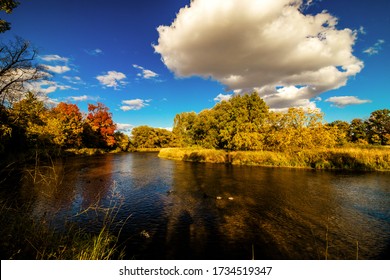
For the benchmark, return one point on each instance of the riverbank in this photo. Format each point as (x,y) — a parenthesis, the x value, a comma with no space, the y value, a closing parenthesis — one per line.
(353,158)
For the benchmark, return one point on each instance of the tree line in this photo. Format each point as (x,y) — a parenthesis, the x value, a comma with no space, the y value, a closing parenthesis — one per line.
(246,123)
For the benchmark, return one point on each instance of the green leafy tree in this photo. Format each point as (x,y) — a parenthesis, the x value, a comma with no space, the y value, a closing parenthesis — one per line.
(358,131)
(122,141)
(205,130)
(183,129)
(241,122)
(378,125)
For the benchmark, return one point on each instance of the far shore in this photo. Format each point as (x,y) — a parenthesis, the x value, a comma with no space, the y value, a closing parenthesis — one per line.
(354,158)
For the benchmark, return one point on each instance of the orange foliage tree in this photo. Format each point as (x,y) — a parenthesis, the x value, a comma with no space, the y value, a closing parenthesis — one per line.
(70,121)
(99,120)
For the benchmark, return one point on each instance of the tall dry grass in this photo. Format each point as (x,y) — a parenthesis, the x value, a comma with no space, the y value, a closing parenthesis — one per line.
(348,158)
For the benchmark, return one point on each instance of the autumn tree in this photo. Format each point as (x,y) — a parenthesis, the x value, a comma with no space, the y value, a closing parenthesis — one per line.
(68,121)
(99,128)
(27,120)
(299,129)
(149,137)
(342,129)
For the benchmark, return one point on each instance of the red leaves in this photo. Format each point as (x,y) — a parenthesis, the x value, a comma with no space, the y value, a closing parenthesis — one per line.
(100,120)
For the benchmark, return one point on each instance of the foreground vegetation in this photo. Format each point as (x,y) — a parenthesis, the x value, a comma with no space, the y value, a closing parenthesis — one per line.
(26,236)
(352,158)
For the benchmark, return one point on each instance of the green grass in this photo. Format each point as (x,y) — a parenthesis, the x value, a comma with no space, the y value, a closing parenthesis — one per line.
(349,158)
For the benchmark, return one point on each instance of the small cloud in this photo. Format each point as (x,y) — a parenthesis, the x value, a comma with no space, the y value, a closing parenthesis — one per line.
(47,100)
(56,69)
(146,74)
(362,30)
(83,98)
(74,80)
(54,57)
(342,101)
(112,79)
(375,48)
(94,52)
(124,128)
(46,87)
(307,4)
(222,97)
(134,104)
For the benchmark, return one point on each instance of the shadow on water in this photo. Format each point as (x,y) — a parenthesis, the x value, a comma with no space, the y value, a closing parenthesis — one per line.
(184,210)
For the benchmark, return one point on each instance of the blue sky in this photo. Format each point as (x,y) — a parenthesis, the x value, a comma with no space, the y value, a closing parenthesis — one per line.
(114,52)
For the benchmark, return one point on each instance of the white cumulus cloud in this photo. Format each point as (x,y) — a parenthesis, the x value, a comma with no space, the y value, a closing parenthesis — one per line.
(145,73)
(342,101)
(112,79)
(46,86)
(56,69)
(83,98)
(74,80)
(134,104)
(289,57)
(223,97)
(54,57)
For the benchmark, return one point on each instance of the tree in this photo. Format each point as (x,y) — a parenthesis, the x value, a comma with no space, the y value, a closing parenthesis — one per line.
(182,129)
(299,129)
(17,70)
(205,130)
(241,122)
(5,128)
(122,141)
(27,118)
(358,131)
(69,123)
(342,129)
(7,6)
(378,126)
(149,137)
(100,127)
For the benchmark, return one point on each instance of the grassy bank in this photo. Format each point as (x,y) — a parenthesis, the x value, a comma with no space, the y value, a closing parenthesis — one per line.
(352,158)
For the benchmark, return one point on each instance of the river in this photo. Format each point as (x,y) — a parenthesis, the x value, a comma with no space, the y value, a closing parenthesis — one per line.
(181,210)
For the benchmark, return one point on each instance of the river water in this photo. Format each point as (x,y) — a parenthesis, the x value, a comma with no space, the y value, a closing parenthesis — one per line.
(181,210)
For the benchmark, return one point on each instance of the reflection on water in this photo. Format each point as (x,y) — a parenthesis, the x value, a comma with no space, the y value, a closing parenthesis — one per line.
(206,211)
